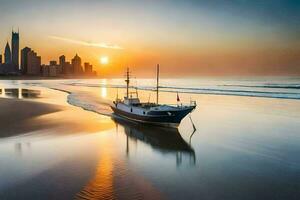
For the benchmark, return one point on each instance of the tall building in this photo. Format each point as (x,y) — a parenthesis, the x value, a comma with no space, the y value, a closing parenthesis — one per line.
(68,68)
(15,49)
(88,69)
(7,54)
(24,59)
(54,69)
(61,65)
(33,63)
(62,60)
(45,70)
(65,68)
(76,63)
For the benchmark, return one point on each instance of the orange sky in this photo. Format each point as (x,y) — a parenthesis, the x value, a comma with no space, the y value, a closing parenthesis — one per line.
(187,38)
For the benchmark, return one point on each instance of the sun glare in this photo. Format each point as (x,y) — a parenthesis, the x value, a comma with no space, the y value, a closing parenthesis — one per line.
(104,60)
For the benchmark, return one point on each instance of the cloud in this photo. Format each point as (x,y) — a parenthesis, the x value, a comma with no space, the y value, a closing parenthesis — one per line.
(90,44)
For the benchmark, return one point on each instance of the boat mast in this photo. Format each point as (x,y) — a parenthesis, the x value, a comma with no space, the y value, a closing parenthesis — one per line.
(127,83)
(157,83)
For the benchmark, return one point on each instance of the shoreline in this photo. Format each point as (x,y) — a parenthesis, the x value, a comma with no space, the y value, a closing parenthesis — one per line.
(3,77)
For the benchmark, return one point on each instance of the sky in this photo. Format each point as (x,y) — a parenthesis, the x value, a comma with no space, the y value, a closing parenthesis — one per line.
(187,38)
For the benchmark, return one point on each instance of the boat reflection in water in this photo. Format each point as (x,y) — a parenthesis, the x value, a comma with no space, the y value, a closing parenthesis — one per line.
(163,139)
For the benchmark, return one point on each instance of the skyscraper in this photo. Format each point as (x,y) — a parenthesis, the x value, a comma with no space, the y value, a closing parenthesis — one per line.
(61,67)
(62,60)
(33,63)
(68,68)
(76,63)
(24,59)
(62,64)
(88,69)
(15,49)
(7,54)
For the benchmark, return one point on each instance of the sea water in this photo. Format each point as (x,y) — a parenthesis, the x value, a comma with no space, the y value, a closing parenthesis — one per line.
(245,146)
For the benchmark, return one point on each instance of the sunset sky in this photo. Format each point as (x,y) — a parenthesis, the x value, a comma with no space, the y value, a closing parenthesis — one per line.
(188,38)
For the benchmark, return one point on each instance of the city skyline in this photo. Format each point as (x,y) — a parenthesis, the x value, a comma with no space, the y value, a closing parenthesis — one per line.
(187,38)
(30,63)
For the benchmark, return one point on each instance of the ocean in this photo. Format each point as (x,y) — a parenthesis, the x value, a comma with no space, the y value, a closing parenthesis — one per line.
(245,146)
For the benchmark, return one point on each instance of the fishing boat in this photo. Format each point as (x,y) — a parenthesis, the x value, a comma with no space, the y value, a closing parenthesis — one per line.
(133,109)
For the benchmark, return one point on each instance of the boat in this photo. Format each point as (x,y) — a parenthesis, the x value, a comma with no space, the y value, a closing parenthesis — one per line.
(133,109)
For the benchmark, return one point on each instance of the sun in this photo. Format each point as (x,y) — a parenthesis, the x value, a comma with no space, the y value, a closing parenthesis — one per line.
(104,60)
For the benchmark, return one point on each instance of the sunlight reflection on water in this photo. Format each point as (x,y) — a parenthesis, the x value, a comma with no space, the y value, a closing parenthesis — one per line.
(244,148)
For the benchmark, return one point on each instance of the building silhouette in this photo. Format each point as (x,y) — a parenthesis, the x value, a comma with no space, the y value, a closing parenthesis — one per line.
(54,69)
(15,49)
(11,57)
(49,70)
(62,61)
(7,54)
(24,59)
(88,69)
(27,62)
(52,62)
(76,63)
(33,63)
(68,67)
(45,70)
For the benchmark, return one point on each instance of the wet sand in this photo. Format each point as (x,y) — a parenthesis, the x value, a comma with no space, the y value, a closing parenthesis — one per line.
(16,116)
(40,167)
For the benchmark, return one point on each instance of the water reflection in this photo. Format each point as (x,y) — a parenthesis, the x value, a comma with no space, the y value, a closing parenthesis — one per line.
(19,93)
(165,140)
(18,149)
(104,89)
(100,186)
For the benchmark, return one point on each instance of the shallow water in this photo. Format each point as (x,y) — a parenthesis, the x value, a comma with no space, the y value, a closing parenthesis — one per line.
(19,93)
(243,148)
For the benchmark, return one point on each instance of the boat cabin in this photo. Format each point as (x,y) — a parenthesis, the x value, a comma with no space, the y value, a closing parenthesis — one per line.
(131,101)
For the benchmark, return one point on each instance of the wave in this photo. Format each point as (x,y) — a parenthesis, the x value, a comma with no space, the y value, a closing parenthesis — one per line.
(275,86)
(90,103)
(87,101)
(216,91)
(90,100)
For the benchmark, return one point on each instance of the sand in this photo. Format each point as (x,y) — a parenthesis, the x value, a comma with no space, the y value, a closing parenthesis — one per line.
(29,116)
(16,114)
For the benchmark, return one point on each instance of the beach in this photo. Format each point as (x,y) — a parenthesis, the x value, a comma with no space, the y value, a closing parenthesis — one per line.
(17,116)
(67,145)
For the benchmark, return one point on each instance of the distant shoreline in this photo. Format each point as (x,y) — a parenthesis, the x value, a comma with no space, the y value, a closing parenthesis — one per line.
(45,78)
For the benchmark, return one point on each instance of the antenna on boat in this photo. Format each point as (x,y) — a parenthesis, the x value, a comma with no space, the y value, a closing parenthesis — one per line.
(157,82)
(127,83)
(117,93)
(136,88)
